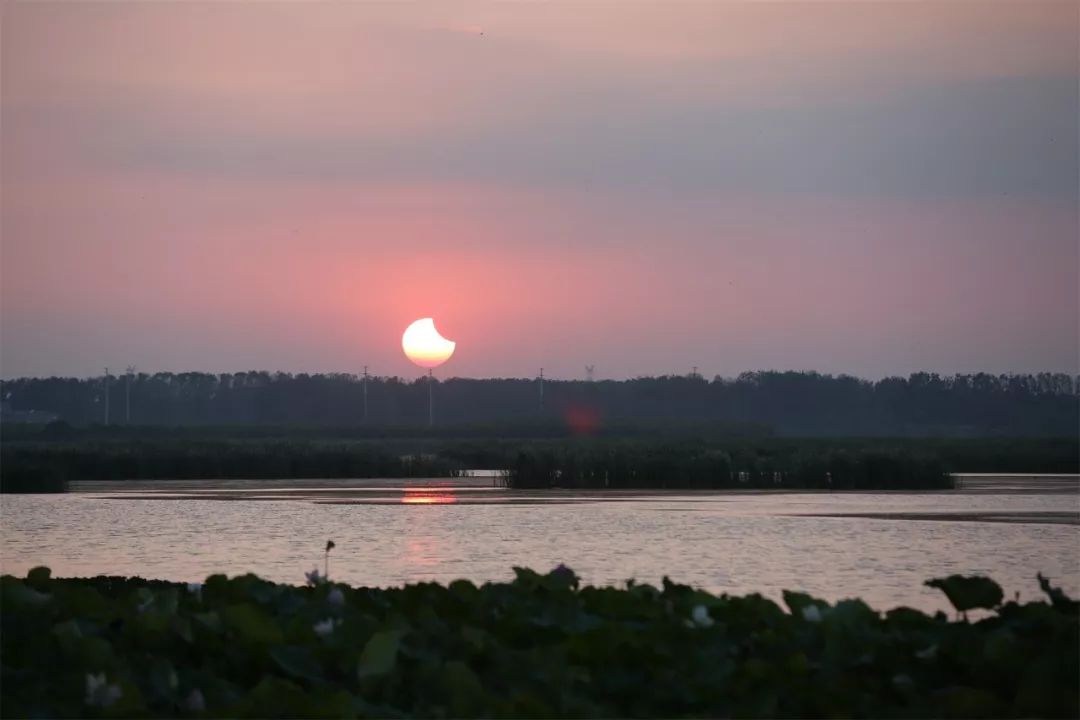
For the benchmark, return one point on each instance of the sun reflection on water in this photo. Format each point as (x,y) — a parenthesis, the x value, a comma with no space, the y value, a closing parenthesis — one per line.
(423,496)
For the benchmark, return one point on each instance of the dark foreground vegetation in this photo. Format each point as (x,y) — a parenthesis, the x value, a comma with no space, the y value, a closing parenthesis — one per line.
(791,403)
(702,460)
(540,646)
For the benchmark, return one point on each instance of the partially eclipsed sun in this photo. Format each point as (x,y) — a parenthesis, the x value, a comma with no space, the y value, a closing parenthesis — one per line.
(425,346)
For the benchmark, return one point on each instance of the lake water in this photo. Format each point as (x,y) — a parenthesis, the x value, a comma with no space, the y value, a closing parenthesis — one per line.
(877,546)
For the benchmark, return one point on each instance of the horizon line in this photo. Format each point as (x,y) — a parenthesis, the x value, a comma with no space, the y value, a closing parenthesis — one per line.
(1074,374)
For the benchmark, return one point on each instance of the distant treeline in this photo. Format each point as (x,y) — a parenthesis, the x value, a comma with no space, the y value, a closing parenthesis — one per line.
(628,462)
(761,457)
(491,431)
(824,463)
(39,467)
(649,466)
(791,403)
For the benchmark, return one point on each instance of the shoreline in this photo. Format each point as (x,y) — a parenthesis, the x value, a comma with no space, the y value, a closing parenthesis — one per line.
(1036,517)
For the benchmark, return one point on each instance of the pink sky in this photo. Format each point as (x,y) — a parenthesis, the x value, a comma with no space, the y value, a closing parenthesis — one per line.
(869,188)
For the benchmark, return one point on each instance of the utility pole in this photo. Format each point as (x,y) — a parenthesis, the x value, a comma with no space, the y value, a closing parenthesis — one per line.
(365,394)
(106,396)
(541,389)
(430,401)
(127,395)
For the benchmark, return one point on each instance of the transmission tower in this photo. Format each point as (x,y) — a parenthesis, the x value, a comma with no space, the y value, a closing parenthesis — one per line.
(590,372)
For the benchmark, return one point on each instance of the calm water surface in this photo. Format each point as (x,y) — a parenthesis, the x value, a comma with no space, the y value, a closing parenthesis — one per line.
(878,546)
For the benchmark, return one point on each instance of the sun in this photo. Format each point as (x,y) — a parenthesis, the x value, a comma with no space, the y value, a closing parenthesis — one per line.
(424,345)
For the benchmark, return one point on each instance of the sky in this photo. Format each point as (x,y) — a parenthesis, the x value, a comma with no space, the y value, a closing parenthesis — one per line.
(871,188)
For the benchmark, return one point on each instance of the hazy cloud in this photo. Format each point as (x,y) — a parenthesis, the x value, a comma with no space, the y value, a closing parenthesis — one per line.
(873,187)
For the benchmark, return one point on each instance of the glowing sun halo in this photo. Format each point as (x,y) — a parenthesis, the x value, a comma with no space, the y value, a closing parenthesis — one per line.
(424,345)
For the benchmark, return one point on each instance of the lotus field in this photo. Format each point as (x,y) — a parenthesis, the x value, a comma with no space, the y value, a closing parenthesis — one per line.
(539,646)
